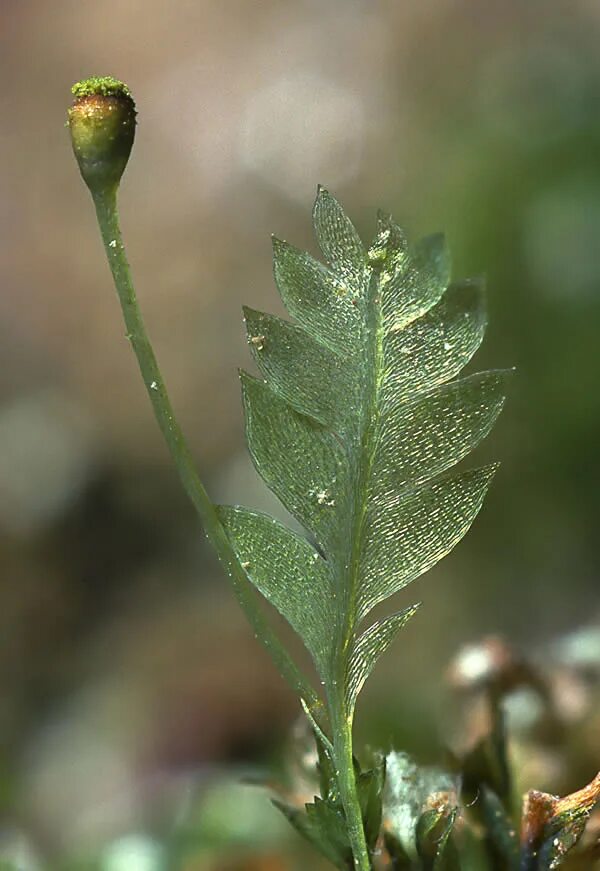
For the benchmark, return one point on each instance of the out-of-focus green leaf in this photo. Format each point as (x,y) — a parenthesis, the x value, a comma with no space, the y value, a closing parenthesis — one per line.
(436,850)
(324,826)
(326,769)
(370,786)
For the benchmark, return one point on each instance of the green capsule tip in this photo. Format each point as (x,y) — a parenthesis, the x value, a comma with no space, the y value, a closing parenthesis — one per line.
(105,86)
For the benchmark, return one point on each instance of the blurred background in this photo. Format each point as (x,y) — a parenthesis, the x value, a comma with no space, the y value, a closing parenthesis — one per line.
(133,695)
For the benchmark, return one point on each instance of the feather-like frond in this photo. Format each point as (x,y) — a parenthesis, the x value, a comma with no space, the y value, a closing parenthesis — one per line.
(356,424)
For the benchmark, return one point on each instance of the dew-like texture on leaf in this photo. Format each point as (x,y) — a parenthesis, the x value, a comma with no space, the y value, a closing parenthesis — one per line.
(296,366)
(301,461)
(288,572)
(322,303)
(361,412)
(339,241)
(428,435)
(409,532)
(412,281)
(373,642)
(434,348)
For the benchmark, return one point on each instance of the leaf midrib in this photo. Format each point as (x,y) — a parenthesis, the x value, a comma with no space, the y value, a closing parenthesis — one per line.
(372,370)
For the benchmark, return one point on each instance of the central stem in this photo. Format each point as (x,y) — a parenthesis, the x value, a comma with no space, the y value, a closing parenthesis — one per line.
(346,778)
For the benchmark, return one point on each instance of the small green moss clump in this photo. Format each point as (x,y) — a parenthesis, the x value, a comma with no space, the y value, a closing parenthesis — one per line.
(105,86)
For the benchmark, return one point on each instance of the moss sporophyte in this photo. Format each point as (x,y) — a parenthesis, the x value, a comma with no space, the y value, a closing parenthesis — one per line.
(102,125)
(356,423)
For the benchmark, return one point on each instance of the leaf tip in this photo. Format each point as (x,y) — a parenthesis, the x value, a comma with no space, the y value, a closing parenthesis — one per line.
(323,195)
(489,472)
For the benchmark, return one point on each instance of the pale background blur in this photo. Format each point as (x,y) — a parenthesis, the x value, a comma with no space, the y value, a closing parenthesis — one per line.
(127,672)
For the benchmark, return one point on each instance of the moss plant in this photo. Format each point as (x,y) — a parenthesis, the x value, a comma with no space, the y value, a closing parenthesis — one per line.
(356,424)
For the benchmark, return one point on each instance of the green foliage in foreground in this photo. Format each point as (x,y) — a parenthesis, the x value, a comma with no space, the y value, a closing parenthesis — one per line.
(354,427)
